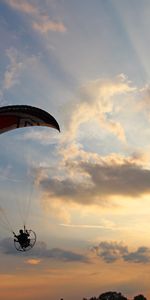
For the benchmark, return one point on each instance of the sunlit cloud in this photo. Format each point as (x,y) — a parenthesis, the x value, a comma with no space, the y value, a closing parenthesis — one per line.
(39,20)
(33,261)
(23,6)
(91,184)
(88,178)
(96,102)
(103,225)
(104,178)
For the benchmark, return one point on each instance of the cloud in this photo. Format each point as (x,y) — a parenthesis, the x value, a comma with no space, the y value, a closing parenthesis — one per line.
(12,73)
(42,136)
(113,251)
(23,6)
(98,180)
(104,225)
(18,62)
(45,25)
(41,251)
(141,255)
(110,251)
(64,255)
(127,179)
(85,177)
(97,102)
(39,20)
(33,261)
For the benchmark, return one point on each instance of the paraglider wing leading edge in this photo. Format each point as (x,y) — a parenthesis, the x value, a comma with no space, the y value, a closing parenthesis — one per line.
(18,116)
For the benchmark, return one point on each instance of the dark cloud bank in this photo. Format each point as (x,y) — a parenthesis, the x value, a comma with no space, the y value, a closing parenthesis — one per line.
(113,251)
(41,250)
(109,252)
(106,180)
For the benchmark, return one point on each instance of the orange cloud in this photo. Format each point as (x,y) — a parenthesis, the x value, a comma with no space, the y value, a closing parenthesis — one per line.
(23,6)
(33,261)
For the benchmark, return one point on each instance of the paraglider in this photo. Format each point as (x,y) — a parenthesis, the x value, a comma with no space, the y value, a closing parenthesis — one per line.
(19,116)
(25,240)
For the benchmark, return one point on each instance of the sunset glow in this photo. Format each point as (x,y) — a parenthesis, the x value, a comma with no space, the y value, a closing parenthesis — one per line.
(85,190)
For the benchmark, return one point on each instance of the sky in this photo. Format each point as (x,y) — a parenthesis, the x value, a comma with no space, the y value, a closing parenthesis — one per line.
(84,191)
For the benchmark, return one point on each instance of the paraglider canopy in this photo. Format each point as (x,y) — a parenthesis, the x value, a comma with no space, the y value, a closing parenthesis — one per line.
(18,116)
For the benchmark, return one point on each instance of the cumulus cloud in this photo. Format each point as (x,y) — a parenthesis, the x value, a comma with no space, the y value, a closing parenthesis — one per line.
(141,255)
(86,178)
(113,251)
(97,102)
(41,251)
(103,180)
(110,251)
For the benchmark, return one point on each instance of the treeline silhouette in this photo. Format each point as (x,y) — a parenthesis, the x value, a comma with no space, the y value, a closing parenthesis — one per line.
(113,296)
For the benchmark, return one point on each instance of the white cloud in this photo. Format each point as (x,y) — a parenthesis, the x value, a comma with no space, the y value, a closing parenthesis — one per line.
(96,101)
